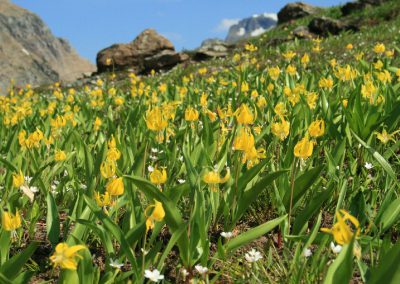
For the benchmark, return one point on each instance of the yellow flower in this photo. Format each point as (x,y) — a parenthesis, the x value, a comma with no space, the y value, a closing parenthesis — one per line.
(97,124)
(103,200)
(113,154)
(384,137)
(158,177)
(304,148)
(349,46)
(379,48)
(119,101)
(274,72)
(244,115)
(18,179)
(345,102)
(312,98)
(10,222)
(191,114)
(389,53)
(326,83)
(65,256)
(213,179)
(244,140)
(244,87)
(316,128)
(280,109)
(108,168)
(115,186)
(157,215)
(289,55)
(59,155)
(305,59)
(291,70)
(261,102)
(341,231)
(155,120)
(280,129)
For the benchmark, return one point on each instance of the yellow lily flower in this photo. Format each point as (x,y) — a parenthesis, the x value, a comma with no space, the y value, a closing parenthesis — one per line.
(157,215)
(213,179)
(18,179)
(191,114)
(115,186)
(155,120)
(65,256)
(384,137)
(341,231)
(244,115)
(304,148)
(10,222)
(281,129)
(317,128)
(59,155)
(108,168)
(158,177)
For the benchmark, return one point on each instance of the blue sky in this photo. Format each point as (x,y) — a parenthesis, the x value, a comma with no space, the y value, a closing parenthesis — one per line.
(91,25)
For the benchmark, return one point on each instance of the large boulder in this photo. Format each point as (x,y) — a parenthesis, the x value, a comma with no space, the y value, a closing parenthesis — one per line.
(212,48)
(352,7)
(149,50)
(293,11)
(324,26)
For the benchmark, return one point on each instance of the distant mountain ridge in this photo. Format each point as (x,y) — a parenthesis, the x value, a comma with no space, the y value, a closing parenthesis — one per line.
(30,53)
(250,27)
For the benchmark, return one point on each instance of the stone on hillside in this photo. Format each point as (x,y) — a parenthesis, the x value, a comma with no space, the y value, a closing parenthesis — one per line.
(147,51)
(324,26)
(212,48)
(303,32)
(293,11)
(352,7)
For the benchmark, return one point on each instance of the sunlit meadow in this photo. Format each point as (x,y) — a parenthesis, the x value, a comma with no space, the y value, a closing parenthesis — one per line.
(239,171)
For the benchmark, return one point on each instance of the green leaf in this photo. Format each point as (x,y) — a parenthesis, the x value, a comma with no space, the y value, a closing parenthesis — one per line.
(113,229)
(52,220)
(253,233)
(302,184)
(390,215)
(250,195)
(388,270)
(341,270)
(13,266)
(381,160)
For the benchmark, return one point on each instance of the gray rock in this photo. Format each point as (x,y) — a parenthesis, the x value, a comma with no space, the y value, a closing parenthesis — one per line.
(324,26)
(146,52)
(212,48)
(303,32)
(297,10)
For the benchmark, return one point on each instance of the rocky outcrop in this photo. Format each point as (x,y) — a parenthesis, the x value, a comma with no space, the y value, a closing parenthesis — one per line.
(146,52)
(297,10)
(30,53)
(212,48)
(303,32)
(325,26)
(356,6)
(250,27)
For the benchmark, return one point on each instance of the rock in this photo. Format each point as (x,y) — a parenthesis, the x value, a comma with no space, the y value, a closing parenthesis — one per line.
(250,27)
(147,51)
(212,48)
(352,7)
(324,26)
(31,54)
(303,32)
(293,11)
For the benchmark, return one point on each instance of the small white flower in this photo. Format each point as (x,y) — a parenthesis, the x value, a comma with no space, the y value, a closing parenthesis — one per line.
(337,167)
(65,173)
(180,158)
(56,182)
(181,181)
(27,179)
(336,248)
(227,235)
(307,252)
(153,158)
(145,252)
(116,264)
(154,275)
(201,269)
(368,166)
(34,189)
(253,256)
(184,272)
(83,186)
(154,150)
(150,169)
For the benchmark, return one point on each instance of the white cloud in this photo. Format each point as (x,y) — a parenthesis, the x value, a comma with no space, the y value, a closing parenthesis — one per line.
(225,24)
